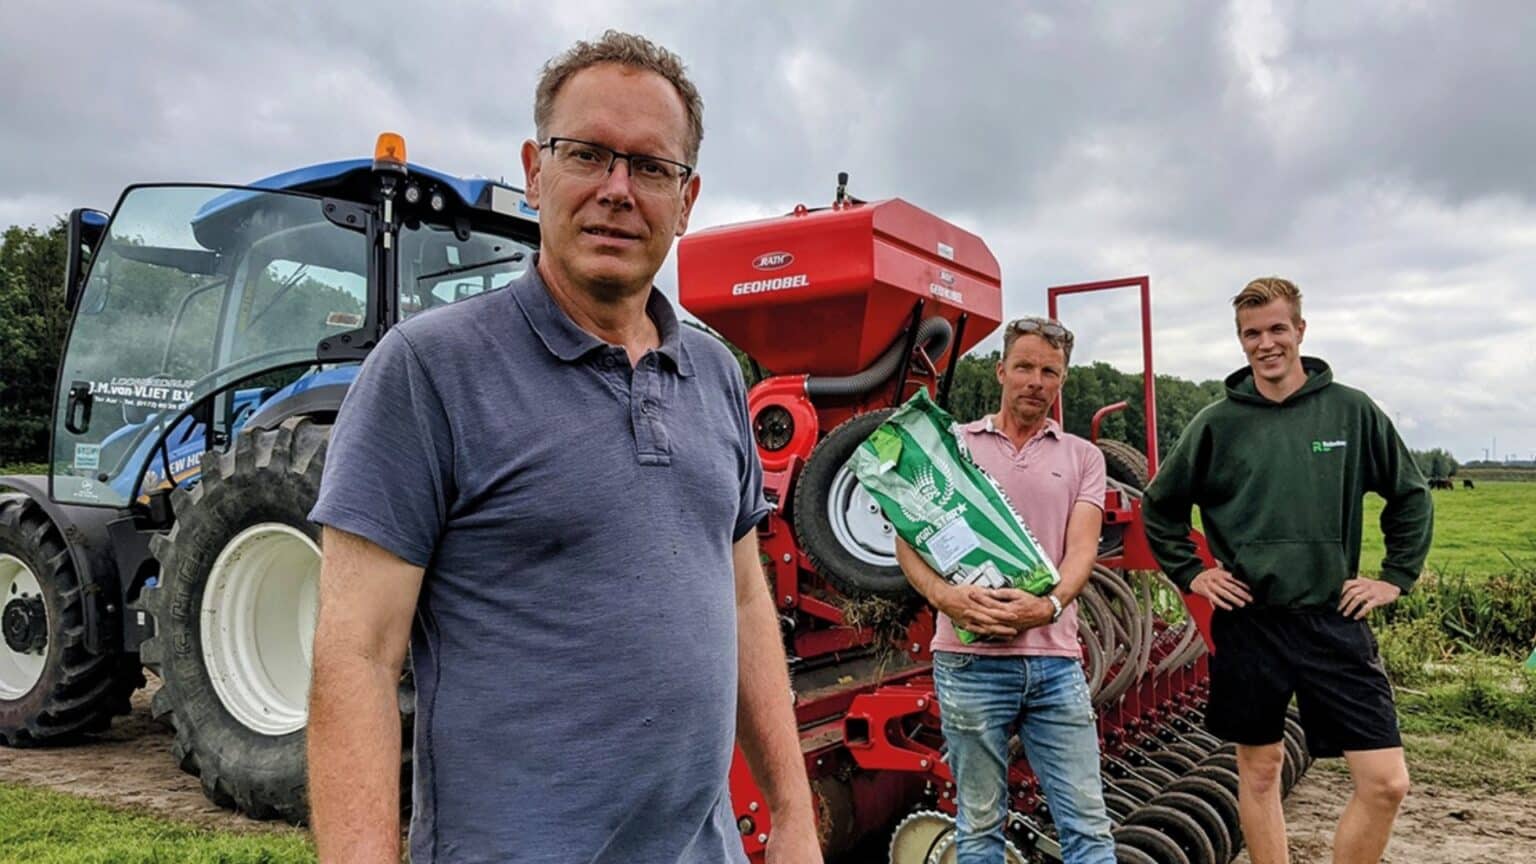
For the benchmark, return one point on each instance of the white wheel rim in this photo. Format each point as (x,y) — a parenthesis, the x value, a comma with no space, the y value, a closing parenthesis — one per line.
(857,522)
(19,672)
(258,626)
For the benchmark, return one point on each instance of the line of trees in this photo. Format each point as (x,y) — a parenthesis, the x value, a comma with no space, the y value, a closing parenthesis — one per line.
(33,324)
(1088,388)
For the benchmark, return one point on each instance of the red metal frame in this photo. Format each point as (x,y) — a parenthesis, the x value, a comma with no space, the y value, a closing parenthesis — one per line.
(1098,418)
(1149,385)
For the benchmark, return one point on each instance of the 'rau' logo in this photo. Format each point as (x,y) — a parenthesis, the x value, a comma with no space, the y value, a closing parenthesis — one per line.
(772,260)
(1327,446)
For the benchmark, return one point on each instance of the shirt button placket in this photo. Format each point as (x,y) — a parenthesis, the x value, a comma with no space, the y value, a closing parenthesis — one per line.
(643,395)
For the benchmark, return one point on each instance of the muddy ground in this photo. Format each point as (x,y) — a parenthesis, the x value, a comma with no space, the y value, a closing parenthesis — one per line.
(131,767)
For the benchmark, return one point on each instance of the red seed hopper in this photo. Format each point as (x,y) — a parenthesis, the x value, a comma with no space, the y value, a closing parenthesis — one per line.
(827,292)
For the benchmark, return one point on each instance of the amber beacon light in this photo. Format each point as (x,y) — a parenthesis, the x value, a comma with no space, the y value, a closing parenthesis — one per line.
(389,152)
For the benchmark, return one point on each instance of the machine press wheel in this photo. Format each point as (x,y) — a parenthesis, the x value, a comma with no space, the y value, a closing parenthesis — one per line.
(1219,797)
(1210,819)
(1191,751)
(1156,773)
(1172,761)
(1154,844)
(1293,730)
(944,852)
(1137,789)
(1203,739)
(1221,759)
(1131,855)
(1181,828)
(1119,805)
(918,835)
(1227,779)
(1290,766)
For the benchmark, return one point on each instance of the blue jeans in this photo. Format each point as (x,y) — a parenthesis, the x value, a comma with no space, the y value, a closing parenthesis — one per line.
(984,701)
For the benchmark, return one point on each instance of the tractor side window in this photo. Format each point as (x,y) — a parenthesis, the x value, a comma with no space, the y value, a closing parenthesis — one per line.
(439,267)
(288,301)
(146,288)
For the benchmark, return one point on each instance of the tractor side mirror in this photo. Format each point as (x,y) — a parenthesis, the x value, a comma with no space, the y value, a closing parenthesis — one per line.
(86,228)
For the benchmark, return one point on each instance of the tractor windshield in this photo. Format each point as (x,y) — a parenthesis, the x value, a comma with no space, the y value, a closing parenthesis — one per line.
(192,289)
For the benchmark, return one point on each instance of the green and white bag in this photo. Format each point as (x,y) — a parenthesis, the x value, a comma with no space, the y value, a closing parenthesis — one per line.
(943,505)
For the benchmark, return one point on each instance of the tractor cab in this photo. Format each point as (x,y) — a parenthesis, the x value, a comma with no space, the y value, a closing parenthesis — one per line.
(214,333)
(200,304)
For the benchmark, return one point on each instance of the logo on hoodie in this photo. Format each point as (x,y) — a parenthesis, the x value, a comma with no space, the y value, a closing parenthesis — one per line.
(1328,446)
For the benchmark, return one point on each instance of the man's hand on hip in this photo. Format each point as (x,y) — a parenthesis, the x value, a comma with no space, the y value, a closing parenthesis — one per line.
(1025,610)
(1221,588)
(1360,596)
(977,610)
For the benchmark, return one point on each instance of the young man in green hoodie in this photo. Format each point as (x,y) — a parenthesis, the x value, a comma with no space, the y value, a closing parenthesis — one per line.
(1278,469)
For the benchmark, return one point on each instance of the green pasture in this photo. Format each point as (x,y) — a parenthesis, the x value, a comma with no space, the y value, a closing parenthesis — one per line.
(42,827)
(1477,531)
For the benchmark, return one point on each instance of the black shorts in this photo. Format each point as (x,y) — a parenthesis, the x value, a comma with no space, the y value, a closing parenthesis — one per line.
(1331,663)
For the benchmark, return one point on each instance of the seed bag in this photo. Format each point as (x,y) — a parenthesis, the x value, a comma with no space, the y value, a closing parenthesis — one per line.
(944,506)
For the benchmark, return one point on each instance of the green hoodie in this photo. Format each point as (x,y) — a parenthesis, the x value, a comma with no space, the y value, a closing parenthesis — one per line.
(1279,487)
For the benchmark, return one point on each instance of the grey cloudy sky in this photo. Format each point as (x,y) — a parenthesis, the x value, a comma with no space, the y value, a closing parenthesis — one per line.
(1381,154)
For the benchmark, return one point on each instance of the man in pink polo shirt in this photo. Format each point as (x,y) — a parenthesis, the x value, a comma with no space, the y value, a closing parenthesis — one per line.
(1027,675)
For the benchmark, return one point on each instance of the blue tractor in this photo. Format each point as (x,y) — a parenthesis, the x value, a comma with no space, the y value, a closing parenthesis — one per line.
(214,332)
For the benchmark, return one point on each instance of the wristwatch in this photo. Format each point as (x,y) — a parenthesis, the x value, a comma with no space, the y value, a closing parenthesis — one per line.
(1055,606)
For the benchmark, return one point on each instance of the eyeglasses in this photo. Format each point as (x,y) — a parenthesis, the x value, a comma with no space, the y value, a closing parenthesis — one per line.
(1046,327)
(589,161)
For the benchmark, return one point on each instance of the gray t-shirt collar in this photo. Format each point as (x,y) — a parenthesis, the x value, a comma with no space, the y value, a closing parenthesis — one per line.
(566,340)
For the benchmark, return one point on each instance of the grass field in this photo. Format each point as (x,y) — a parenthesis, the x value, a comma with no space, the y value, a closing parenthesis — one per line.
(42,827)
(1475,529)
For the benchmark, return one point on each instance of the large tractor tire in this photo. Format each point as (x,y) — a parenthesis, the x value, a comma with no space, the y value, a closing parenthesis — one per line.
(839,525)
(234,611)
(52,687)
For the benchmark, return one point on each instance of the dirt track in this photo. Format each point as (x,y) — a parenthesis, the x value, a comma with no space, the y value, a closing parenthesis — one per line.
(131,767)
(1436,826)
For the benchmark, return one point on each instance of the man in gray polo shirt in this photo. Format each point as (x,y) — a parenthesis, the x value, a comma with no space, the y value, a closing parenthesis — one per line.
(549,492)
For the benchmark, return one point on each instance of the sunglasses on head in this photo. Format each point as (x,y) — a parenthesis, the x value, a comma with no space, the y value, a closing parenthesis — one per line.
(1051,330)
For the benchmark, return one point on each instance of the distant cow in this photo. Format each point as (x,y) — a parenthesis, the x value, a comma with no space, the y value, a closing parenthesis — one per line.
(1441,483)
(1467,484)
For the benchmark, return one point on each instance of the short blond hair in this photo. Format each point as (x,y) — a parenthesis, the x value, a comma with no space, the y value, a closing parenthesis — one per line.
(1262,292)
(625,49)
